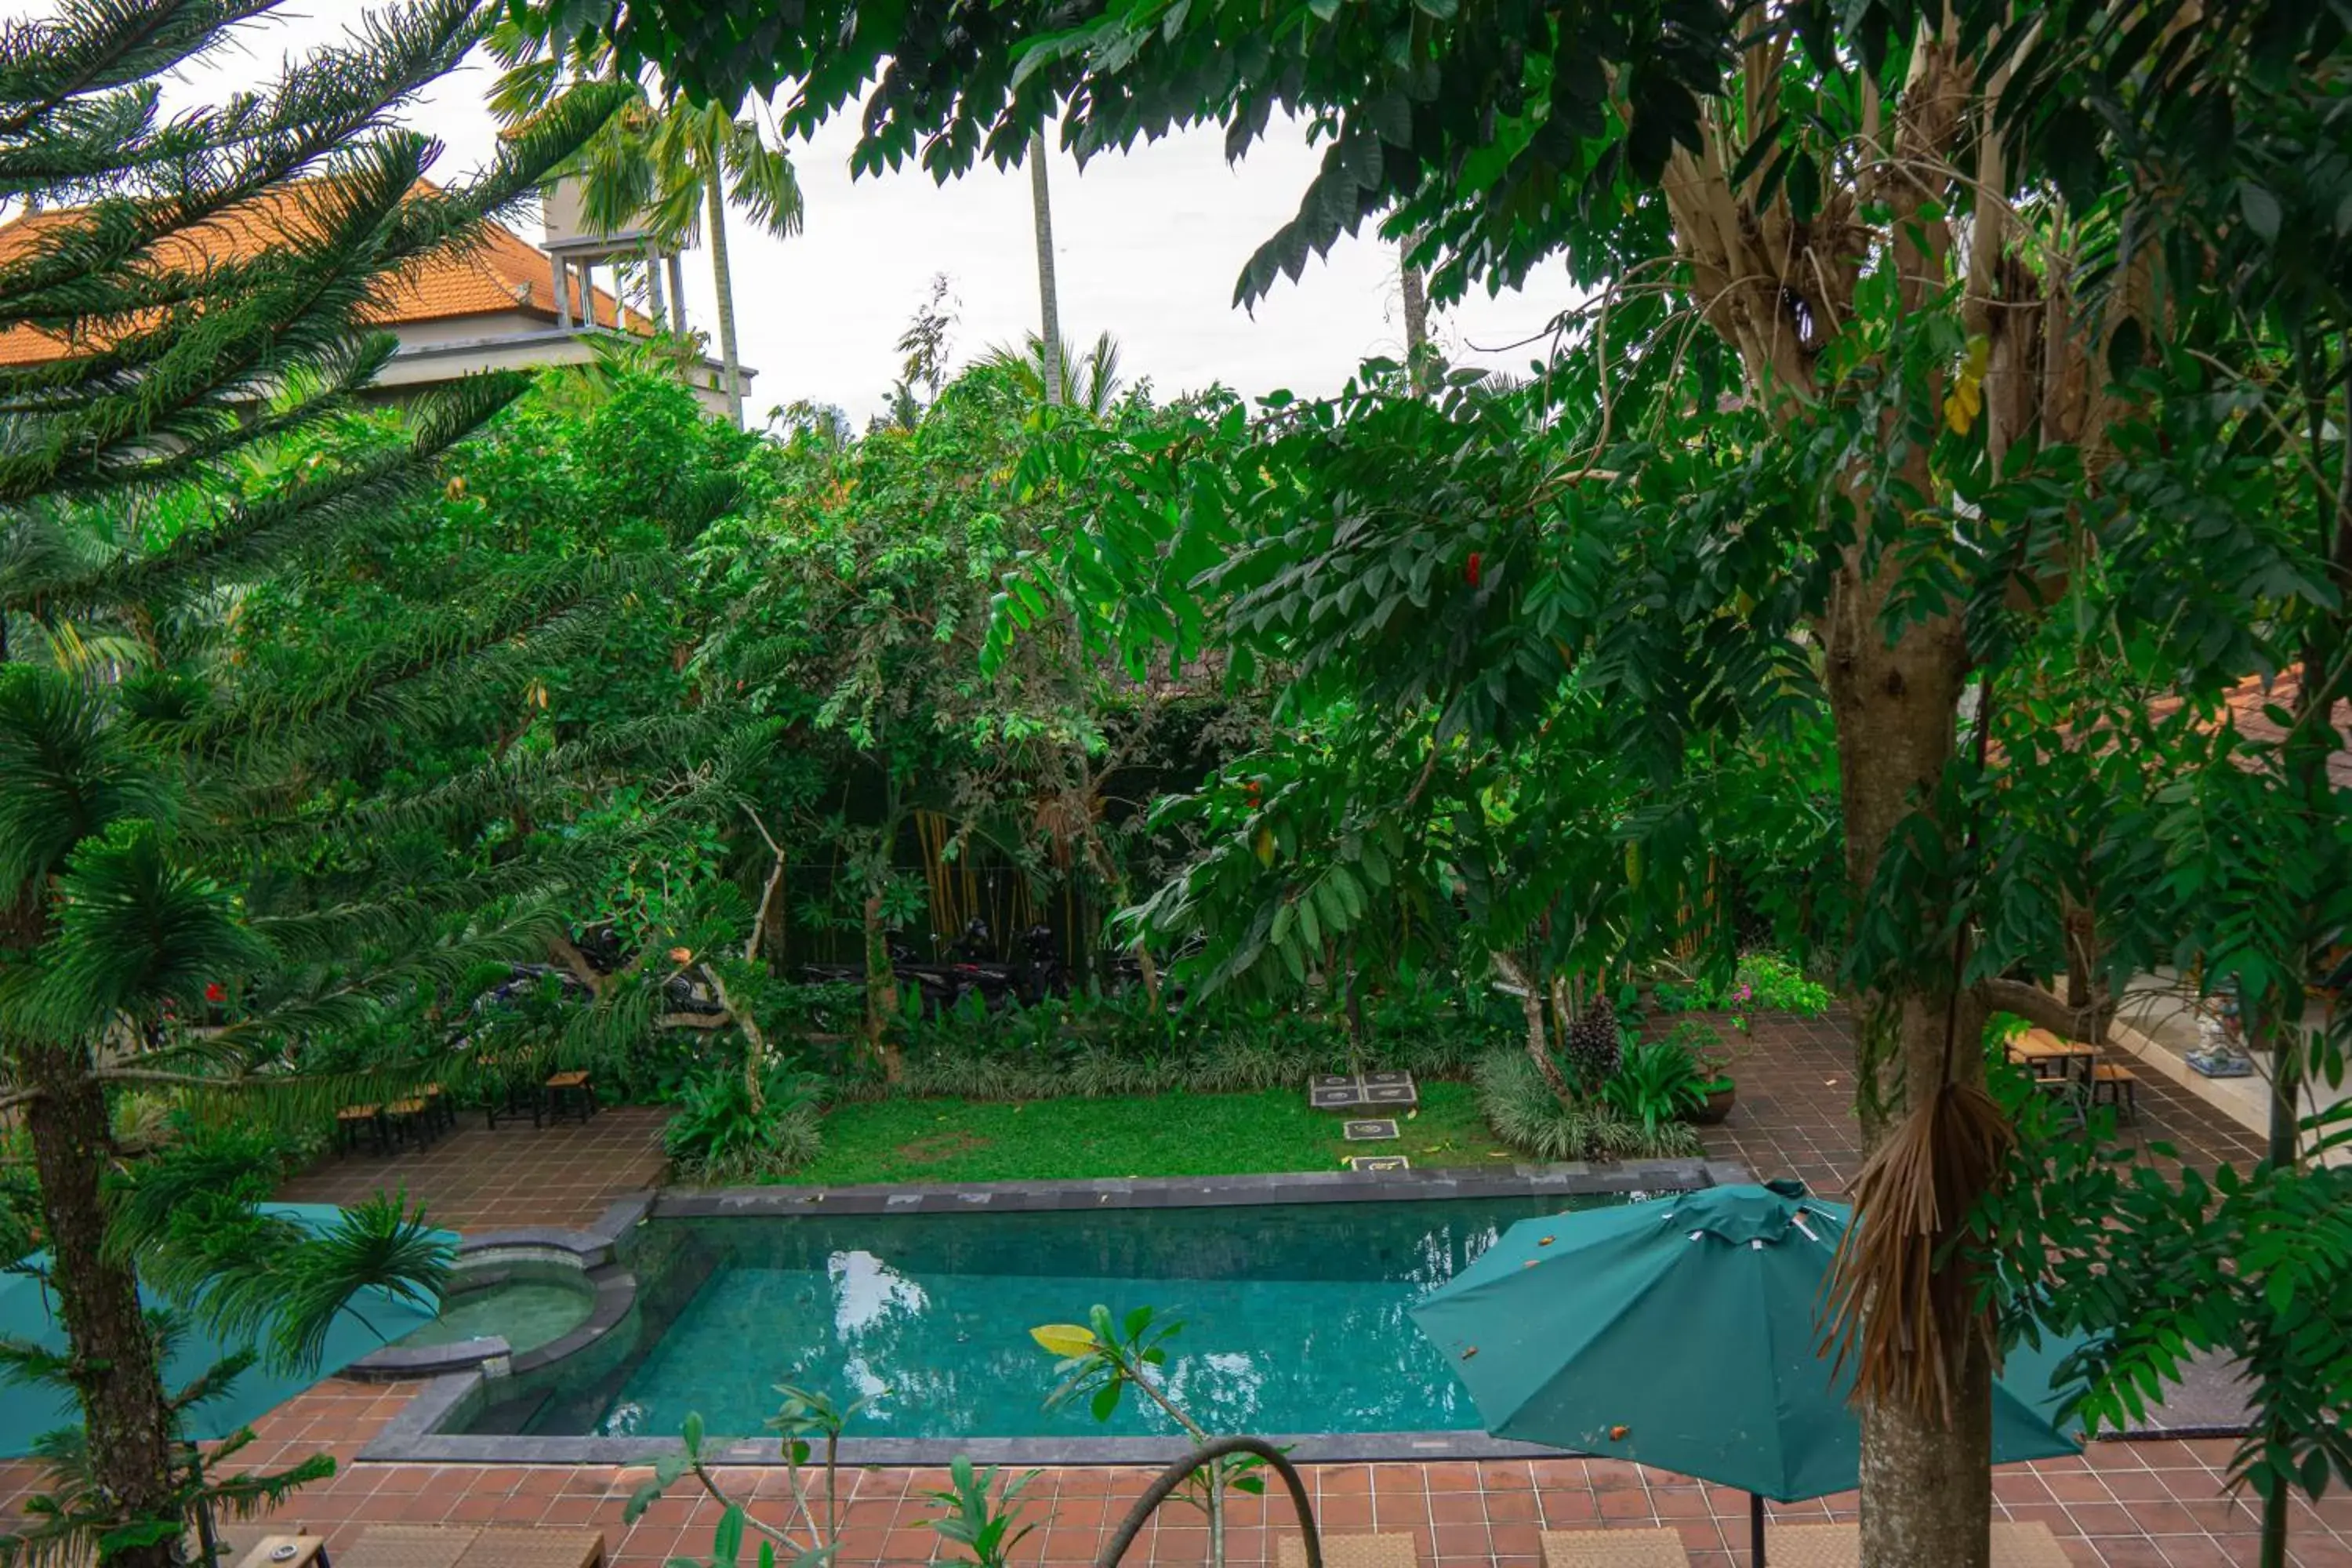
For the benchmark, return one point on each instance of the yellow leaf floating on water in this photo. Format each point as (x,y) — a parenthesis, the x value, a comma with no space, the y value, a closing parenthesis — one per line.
(1065,1340)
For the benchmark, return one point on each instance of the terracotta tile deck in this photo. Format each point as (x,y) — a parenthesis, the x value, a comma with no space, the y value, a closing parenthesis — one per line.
(2145,1504)
(2122,1505)
(474,1178)
(1795,1116)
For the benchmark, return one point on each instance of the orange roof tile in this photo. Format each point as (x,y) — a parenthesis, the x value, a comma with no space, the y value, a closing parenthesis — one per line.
(502,272)
(2242,708)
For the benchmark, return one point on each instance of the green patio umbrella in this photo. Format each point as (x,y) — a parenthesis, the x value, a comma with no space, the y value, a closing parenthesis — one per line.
(373,1319)
(1681,1333)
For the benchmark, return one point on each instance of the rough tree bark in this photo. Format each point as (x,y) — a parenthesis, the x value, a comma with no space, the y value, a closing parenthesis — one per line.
(125,1413)
(881,988)
(1418,358)
(1531,1003)
(1778,290)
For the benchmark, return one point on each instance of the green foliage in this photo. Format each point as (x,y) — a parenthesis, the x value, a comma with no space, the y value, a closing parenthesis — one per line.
(811,1534)
(1764,981)
(981,1512)
(1529,1116)
(213,844)
(1100,1361)
(1123,1045)
(719,1134)
(2157,1263)
(1657,1083)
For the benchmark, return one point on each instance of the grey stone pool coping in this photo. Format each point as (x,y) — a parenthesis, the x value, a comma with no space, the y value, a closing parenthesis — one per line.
(1199,1192)
(590,1251)
(413,1437)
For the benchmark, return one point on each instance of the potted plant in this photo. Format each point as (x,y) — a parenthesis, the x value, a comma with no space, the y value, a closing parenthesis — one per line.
(1716,1089)
(1720,1093)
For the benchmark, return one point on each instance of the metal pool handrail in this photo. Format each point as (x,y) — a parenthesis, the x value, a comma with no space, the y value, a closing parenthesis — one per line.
(1174,1476)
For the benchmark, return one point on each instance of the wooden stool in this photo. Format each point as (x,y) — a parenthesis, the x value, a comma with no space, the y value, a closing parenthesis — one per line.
(439,1109)
(508,1096)
(2120,1087)
(352,1117)
(571,1090)
(411,1119)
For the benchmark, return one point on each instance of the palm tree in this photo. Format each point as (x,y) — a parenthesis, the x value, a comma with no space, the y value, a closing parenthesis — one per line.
(661,164)
(1049,341)
(1091,383)
(1420,357)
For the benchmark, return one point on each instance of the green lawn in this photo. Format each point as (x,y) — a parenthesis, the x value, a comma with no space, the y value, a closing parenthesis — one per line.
(1159,1135)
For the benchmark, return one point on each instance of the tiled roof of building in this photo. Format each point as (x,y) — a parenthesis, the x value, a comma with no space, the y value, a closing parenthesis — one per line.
(2243,711)
(500,273)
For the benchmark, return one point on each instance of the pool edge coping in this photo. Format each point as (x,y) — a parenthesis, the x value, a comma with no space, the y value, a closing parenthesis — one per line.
(413,1437)
(1086,1194)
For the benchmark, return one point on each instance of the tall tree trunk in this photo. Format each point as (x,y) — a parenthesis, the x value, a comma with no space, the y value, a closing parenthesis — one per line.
(881,989)
(1926,1484)
(124,1412)
(1418,358)
(1531,1005)
(723,277)
(1049,305)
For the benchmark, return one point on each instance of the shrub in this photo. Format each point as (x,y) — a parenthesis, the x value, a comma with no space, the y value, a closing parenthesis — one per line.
(1764,981)
(715,1136)
(1657,1084)
(1526,1114)
(1775,983)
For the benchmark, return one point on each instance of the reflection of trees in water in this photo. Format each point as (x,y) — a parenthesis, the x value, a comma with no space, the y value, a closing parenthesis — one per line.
(1297,1317)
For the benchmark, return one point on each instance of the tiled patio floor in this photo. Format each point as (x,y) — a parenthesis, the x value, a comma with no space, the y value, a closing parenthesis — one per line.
(2123,1505)
(1795,1116)
(564,1174)
(2150,1504)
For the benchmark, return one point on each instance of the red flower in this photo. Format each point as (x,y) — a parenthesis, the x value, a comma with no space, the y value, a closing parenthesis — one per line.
(216,993)
(1470,569)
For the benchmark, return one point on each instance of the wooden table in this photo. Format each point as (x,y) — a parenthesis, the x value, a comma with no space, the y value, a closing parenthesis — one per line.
(2043,1054)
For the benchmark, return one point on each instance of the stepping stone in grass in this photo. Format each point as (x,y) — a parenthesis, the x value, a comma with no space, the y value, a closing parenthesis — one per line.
(1345,1091)
(1379,1163)
(1371,1129)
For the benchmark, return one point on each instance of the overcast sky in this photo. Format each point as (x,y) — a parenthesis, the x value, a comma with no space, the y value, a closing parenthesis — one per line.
(1147,245)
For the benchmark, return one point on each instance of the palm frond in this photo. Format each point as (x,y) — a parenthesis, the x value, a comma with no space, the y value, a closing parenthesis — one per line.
(1899,1314)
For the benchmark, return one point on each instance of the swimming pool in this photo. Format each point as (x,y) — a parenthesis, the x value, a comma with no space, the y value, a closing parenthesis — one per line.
(1295,1319)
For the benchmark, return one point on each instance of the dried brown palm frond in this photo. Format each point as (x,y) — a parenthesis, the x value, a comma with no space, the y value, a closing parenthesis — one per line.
(1899,1320)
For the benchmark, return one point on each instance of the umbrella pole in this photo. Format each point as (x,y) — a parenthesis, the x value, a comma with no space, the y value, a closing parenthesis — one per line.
(1756,1528)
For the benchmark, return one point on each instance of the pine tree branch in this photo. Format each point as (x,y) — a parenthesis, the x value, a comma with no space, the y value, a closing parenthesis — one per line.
(87,49)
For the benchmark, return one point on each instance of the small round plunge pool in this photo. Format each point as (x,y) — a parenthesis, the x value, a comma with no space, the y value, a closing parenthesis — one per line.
(526,1304)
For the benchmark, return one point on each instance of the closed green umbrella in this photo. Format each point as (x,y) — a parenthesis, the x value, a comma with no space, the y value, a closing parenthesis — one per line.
(1684,1334)
(373,1319)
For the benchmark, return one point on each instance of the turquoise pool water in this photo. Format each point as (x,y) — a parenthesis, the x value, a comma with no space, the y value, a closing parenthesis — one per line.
(1295,1319)
(527,1313)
